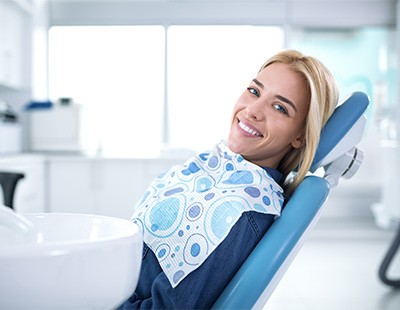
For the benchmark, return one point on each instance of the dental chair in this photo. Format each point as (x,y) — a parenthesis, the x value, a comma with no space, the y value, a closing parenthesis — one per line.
(337,155)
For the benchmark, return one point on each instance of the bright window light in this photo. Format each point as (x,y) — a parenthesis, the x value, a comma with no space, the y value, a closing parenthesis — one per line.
(117,74)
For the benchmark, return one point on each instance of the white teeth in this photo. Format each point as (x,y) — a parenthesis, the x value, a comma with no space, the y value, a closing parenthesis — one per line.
(249,130)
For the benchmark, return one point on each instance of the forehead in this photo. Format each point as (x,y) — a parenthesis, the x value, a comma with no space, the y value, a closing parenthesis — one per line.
(280,79)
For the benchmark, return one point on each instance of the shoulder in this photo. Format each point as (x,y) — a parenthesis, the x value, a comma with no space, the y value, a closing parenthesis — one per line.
(258,222)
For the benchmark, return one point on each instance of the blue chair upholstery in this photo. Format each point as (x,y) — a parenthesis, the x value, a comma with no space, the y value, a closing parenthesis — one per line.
(258,276)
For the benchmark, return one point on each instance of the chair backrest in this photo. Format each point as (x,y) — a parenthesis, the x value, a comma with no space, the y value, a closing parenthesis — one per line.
(258,276)
(8,184)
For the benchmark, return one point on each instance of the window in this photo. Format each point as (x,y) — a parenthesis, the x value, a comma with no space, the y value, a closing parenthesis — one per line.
(118,75)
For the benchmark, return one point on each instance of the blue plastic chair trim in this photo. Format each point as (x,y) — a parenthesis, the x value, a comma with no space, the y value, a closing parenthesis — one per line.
(343,118)
(265,260)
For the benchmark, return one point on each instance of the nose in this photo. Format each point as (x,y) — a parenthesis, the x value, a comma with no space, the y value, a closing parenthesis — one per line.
(255,111)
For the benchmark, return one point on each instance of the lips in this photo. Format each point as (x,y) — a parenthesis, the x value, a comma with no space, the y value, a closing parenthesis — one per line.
(247,128)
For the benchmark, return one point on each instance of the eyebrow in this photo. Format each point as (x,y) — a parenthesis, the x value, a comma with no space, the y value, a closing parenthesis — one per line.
(284,99)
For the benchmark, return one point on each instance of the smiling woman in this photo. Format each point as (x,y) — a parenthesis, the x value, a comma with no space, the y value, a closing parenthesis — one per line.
(200,220)
(266,124)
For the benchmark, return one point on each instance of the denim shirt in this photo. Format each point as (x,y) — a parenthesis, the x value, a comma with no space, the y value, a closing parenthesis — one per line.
(201,288)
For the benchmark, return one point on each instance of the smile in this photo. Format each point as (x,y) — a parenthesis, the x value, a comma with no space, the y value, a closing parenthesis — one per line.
(249,130)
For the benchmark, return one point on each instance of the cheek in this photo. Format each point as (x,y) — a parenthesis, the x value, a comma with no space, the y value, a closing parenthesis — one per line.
(283,131)
(236,109)
(301,126)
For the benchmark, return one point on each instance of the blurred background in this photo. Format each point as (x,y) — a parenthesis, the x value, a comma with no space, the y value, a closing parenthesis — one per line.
(97,97)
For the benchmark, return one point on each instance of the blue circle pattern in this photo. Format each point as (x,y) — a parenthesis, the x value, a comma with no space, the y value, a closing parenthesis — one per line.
(192,208)
(252,191)
(162,251)
(194,211)
(195,249)
(163,218)
(204,184)
(223,215)
(159,218)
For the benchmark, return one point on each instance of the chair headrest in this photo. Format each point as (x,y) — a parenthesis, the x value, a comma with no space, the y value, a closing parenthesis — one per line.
(343,130)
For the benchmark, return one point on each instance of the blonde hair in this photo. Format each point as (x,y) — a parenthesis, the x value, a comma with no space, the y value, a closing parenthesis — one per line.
(323,94)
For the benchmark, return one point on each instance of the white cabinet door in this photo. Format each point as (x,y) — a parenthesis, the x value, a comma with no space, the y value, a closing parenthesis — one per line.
(109,187)
(71,185)
(120,184)
(94,186)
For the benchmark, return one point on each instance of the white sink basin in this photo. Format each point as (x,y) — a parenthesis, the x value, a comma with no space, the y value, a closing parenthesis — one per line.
(67,261)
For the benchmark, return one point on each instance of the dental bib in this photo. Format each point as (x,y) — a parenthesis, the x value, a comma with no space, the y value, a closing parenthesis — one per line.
(189,210)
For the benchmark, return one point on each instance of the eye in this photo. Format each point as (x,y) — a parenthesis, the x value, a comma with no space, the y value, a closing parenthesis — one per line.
(253,91)
(280,108)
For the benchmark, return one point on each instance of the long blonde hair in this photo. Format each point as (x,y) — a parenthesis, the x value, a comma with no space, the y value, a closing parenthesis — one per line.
(324,96)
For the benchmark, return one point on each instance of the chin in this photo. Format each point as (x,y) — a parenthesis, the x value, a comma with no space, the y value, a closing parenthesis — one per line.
(232,146)
(235,147)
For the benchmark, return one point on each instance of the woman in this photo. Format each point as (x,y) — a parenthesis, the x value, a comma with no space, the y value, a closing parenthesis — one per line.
(201,220)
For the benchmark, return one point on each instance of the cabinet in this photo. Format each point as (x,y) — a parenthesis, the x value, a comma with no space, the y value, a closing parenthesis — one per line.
(99,185)
(30,191)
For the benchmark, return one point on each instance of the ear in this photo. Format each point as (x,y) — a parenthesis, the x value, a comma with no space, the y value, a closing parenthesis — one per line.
(298,141)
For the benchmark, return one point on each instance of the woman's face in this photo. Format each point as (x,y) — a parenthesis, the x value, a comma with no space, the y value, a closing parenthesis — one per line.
(269,117)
